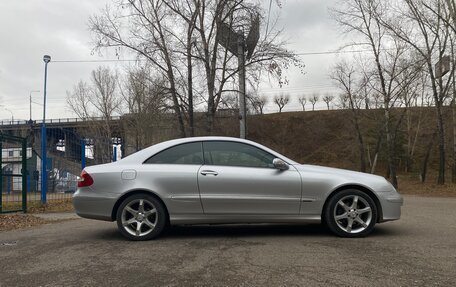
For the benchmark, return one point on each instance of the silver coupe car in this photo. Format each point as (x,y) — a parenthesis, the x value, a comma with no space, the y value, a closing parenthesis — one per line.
(207,180)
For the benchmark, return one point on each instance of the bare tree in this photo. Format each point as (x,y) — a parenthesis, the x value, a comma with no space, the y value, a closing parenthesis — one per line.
(181,40)
(139,26)
(230,101)
(409,97)
(79,100)
(258,103)
(99,99)
(105,98)
(145,97)
(281,101)
(451,6)
(453,179)
(313,99)
(362,17)
(328,98)
(424,26)
(342,100)
(303,100)
(345,77)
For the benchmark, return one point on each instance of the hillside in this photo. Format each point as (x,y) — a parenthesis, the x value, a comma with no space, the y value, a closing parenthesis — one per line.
(329,138)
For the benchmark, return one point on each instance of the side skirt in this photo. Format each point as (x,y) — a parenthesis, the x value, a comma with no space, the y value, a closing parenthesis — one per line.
(247,218)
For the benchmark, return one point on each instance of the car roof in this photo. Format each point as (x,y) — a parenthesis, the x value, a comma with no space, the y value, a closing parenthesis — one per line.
(144,154)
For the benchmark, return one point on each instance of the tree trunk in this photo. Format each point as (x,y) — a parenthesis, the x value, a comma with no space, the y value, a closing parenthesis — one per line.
(176,108)
(441,178)
(390,147)
(426,159)
(440,126)
(362,154)
(361,146)
(190,82)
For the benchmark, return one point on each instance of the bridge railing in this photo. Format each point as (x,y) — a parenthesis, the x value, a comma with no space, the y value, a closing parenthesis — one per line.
(54,121)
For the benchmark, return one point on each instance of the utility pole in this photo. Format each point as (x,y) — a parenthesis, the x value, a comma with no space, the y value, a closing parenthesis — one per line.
(238,45)
(11,112)
(30,97)
(44,175)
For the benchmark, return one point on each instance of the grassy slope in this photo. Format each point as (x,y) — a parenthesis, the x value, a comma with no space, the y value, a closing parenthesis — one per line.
(328,138)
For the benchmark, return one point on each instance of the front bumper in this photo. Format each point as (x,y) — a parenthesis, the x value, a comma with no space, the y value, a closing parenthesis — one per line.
(391,203)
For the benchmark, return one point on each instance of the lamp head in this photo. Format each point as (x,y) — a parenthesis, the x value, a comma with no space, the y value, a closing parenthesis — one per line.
(46,58)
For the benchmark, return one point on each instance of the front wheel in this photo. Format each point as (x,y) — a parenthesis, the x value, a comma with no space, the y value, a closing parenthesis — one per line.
(351,213)
(141,217)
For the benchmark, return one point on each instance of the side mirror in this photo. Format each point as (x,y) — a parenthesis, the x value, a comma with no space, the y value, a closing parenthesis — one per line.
(280,164)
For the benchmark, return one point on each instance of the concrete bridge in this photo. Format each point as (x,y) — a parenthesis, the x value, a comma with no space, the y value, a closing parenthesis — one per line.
(62,123)
(64,138)
(130,134)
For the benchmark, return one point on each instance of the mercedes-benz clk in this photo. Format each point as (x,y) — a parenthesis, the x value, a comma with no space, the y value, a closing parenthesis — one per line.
(218,180)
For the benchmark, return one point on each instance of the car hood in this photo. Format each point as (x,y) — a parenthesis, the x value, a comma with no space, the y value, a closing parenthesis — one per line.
(344,176)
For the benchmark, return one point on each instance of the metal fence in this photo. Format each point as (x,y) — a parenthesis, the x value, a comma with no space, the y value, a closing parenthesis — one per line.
(67,153)
(13,173)
(21,178)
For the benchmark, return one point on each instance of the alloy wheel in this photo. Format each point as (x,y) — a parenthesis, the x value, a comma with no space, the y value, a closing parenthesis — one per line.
(352,214)
(139,217)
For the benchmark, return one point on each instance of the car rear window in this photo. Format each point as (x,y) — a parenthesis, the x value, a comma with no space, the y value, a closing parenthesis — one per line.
(188,153)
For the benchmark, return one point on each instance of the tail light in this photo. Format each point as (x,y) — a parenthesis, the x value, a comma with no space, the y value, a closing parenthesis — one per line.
(85,179)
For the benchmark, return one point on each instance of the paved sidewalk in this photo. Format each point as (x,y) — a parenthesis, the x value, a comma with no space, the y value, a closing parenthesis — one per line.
(56,215)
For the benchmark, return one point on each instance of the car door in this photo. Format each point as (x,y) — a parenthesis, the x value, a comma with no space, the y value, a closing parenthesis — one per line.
(239,178)
(172,173)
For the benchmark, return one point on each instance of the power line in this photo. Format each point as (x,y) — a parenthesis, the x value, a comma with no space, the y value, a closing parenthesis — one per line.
(96,61)
(139,60)
(340,52)
(331,52)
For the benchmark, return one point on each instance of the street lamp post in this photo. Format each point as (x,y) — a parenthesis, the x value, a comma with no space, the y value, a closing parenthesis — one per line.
(46,60)
(12,116)
(31,92)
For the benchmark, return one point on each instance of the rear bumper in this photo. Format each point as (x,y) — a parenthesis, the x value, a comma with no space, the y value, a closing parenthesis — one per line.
(89,205)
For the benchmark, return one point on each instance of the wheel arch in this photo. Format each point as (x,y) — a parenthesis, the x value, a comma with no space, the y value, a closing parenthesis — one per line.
(133,192)
(356,187)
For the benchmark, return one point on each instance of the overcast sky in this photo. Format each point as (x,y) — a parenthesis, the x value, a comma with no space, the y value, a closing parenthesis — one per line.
(31,29)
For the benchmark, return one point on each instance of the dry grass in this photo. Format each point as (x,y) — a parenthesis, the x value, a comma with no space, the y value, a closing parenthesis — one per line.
(62,205)
(56,205)
(429,188)
(19,221)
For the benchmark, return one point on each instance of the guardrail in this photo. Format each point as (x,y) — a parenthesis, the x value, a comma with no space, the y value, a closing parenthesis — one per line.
(54,121)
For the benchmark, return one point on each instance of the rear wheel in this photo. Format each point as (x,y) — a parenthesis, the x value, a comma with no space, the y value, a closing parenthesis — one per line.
(141,217)
(351,213)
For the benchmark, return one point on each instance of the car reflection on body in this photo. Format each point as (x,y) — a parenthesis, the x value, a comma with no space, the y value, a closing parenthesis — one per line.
(220,180)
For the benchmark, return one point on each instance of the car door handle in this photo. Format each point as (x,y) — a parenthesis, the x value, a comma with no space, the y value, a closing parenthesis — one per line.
(209,172)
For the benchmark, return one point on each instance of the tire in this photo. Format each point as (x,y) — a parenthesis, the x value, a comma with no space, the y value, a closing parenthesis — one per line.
(351,213)
(141,223)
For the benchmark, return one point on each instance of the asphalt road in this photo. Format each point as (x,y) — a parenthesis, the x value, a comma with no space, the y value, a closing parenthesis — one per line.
(418,250)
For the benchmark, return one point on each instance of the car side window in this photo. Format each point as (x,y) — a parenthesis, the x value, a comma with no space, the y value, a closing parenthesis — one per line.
(188,153)
(236,154)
